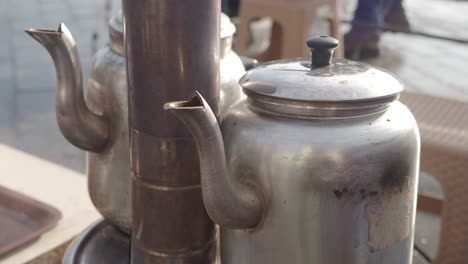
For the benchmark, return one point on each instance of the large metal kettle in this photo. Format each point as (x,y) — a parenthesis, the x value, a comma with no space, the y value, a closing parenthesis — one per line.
(319,164)
(99,123)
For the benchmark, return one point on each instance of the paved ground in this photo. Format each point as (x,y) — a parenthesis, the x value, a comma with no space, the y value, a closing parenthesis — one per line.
(428,65)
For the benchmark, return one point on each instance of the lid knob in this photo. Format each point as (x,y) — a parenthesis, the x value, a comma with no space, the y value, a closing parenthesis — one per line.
(322,48)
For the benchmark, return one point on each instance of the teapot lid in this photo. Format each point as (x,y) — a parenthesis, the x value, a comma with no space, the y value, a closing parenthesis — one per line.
(321,80)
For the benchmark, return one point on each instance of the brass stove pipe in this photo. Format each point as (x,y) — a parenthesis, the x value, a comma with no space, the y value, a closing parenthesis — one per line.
(172,50)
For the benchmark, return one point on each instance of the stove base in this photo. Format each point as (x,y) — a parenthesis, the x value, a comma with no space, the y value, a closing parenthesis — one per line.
(98,244)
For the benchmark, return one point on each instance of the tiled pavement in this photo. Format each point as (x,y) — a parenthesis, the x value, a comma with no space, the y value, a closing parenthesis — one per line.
(27,76)
(434,67)
(427,65)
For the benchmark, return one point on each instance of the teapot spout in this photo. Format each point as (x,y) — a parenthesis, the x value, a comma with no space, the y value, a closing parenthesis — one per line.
(228,203)
(80,126)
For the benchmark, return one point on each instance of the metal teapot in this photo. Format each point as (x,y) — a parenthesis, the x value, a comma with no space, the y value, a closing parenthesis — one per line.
(231,67)
(99,124)
(319,164)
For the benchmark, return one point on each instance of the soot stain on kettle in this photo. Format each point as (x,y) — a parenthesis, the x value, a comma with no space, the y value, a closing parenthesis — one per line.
(361,194)
(387,201)
(394,176)
(338,194)
(388,212)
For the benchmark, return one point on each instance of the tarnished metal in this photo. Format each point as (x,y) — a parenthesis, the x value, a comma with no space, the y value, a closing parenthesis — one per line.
(331,177)
(78,124)
(109,177)
(108,169)
(99,124)
(100,243)
(172,49)
(229,204)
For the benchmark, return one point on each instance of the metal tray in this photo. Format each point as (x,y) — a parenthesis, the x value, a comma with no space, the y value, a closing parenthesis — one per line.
(23,219)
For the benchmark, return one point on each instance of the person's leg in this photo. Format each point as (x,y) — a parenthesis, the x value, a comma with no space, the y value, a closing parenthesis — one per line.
(361,42)
(230,7)
(368,12)
(395,17)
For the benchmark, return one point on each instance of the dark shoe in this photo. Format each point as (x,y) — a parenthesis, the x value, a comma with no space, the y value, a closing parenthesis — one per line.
(361,43)
(395,19)
(362,54)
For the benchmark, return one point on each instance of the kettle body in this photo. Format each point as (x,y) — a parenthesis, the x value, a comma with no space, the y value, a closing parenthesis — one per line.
(108,171)
(318,164)
(329,186)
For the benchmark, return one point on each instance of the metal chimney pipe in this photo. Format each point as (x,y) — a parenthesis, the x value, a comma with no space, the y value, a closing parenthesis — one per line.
(172,50)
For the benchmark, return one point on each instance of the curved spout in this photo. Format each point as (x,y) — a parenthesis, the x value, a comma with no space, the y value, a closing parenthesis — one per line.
(228,203)
(78,124)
